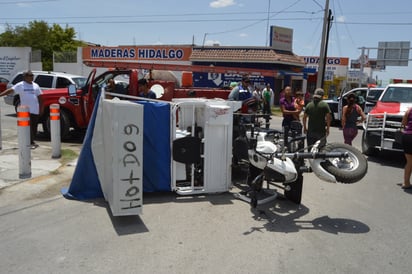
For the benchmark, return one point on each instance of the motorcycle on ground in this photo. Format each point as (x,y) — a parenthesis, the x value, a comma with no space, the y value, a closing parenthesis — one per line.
(274,159)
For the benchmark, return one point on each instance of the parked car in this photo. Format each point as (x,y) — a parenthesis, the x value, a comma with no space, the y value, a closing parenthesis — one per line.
(366,98)
(46,80)
(3,84)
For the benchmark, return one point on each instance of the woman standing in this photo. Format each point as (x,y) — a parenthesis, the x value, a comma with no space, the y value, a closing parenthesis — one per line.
(290,114)
(350,114)
(407,148)
(287,106)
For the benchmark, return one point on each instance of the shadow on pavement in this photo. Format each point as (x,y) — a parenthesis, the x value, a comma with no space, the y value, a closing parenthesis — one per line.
(388,158)
(171,197)
(76,137)
(285,216)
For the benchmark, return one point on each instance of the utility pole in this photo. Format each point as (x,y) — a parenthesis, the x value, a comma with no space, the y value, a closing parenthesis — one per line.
(322,55)
(361,68)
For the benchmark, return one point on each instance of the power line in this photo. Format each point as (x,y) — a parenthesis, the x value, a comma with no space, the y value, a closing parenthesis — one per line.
(337,35)
(255,20)
(255,23)
(272,13)
(154,21)
(346,27)
(26,2)
(378,23)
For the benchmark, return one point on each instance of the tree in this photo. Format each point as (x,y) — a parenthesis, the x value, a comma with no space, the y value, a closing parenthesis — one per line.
(40,36)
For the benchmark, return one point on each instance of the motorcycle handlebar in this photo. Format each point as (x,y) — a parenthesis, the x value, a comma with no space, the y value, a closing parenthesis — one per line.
(313,155)
(305,155)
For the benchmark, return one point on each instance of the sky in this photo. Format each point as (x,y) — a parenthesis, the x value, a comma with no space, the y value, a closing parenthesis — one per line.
(355,23)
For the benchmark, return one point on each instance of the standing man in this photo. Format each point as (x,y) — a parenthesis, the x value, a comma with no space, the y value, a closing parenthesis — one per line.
(241,92)
(28,92)
(267,95)
(144,90)
(318,113)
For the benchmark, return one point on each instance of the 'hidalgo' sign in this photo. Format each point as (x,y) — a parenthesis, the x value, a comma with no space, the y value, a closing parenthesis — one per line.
(135,53)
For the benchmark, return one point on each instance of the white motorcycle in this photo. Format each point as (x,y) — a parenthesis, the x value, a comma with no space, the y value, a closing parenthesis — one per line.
(280,161)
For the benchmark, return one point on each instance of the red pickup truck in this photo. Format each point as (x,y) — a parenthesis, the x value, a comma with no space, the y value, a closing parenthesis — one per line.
(75,111)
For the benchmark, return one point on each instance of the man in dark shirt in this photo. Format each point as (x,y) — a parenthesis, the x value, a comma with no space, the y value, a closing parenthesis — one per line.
(144,90)
(319,116)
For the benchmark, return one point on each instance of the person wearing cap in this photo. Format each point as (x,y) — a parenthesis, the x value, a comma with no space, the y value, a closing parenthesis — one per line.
(241,92)
(28,92)
(319,115)
(233,85)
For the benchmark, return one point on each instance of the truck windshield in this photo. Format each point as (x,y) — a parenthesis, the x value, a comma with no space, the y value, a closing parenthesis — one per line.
(398,94)
(374,95)
(79,81)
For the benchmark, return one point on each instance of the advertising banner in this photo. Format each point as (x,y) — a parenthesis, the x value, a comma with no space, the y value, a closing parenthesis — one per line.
(138,53)
(281,38)
(13,60)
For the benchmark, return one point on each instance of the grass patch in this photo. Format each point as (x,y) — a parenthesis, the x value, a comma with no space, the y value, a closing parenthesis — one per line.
(68,155)
(276,111)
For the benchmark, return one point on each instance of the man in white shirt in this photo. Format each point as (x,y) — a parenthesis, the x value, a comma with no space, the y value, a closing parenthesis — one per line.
(267,94)
(28,92)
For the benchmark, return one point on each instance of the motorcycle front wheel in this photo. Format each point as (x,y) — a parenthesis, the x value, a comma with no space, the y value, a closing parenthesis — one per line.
(346,170)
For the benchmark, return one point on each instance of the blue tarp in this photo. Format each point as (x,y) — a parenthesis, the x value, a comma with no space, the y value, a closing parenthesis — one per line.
(156,147)
(85,183)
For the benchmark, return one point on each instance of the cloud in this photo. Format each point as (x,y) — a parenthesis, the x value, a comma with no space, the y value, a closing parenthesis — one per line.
(212,43)
(341,19)
(243,35)
(23,5)
(221,3)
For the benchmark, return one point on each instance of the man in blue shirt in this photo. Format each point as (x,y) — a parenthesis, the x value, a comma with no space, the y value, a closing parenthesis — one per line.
(241,92)
(144,89)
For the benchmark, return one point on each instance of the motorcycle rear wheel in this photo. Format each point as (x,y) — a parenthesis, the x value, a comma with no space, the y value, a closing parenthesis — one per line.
(346,170)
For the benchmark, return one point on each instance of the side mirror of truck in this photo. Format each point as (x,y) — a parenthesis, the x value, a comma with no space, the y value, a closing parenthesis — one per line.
(72,90)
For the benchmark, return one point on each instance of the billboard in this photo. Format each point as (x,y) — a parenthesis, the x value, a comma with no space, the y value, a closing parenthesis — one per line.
(281,38)
(13,60)
(393,53)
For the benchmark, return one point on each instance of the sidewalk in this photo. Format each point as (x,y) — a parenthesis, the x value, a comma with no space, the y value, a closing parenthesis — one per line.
(42,163)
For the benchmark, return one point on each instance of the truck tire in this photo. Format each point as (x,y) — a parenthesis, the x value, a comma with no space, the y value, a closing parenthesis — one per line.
(349,170)
(366,148)
(295,192)
(64,125)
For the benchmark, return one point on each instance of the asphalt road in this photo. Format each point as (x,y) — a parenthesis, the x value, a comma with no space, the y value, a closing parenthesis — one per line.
(357,228)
